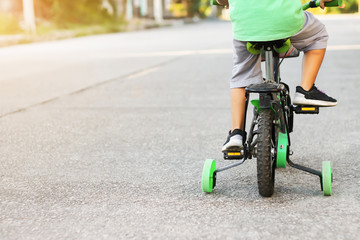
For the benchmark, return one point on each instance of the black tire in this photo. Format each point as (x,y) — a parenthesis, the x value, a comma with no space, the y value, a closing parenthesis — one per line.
(265,160)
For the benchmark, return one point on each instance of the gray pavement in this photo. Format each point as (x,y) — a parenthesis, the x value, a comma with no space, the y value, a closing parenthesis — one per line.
(105,137)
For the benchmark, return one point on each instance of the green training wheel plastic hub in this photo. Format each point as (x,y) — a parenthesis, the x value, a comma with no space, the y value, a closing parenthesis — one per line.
(208,176)
(282,150)
(326,178)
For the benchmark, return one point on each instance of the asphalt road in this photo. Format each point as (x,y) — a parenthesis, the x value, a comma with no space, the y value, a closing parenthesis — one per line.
(104,137)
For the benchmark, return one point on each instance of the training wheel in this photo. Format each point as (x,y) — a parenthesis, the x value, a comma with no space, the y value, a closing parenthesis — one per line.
(326,178)
(282,150)
(207,180)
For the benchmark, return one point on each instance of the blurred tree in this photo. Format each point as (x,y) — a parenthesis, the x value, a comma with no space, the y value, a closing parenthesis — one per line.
(42,8)
(69,12)
(114,6)
(192,7)
(10,16)
(351,6)
(9,24)
(204,8)
(11,6)
(29,16)
(199,8)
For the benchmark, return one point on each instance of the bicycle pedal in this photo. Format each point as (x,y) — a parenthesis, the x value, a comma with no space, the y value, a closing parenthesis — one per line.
(306,109)
(233,155)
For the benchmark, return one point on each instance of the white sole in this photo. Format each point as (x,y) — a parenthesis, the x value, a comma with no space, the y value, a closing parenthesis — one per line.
(233,145)
(300,99)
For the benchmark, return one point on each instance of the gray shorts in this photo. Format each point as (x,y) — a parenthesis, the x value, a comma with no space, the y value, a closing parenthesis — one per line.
(247,66)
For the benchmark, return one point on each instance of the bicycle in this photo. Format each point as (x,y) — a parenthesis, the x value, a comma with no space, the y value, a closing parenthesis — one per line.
(273,116)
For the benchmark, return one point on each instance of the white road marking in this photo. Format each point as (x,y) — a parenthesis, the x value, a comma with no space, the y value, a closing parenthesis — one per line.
(142,73)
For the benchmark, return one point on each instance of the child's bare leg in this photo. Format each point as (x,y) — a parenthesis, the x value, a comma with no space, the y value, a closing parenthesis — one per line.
(308,94)
(238,107)
(311,66)
(236,135)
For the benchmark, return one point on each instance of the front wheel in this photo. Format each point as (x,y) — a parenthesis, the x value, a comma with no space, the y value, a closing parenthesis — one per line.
(265,158)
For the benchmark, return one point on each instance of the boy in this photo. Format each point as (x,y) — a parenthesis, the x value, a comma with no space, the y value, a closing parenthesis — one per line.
(265,20)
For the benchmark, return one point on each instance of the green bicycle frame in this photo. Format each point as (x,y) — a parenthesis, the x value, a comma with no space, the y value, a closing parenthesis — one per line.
(315,4)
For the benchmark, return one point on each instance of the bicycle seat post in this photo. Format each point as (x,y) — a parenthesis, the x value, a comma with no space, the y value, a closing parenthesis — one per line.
(269,64)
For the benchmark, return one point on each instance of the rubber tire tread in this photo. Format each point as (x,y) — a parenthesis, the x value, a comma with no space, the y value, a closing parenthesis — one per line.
(265,170)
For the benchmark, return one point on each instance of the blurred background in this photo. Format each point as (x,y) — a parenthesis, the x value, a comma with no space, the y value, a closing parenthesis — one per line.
(69,18)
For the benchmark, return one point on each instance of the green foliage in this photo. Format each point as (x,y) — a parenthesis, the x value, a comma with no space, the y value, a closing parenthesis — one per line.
(351,6)
(69,13)
(9,24)
(204,8)
(192,7)
(67,18)
(80,12)
(198,7)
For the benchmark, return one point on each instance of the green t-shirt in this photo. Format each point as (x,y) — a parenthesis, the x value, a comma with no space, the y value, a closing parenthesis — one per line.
(265,20)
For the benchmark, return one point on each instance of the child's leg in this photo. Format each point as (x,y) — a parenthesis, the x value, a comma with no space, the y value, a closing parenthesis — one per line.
(308,94)
(311,66)
(246,71)
(237,108)
(237,134)
(312,39)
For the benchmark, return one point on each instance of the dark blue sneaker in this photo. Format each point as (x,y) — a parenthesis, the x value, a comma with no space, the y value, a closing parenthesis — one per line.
(234,141)
(313,97)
